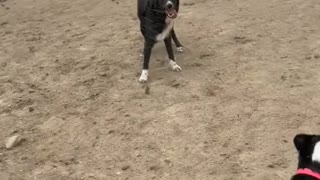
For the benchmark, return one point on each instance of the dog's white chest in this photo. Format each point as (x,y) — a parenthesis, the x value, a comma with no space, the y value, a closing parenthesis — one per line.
(165,33)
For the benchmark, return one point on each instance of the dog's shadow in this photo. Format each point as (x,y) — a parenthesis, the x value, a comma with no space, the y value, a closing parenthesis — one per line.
(160,55)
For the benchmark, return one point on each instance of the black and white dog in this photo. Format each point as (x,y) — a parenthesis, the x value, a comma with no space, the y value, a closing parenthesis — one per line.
(156,24)
(308,147)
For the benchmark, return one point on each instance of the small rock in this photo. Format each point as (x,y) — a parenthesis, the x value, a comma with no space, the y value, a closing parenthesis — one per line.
(103,74)
(14,131)
(316,56)
(4,23)
(147,89)
(91,176)
(176,85)
(271,166)
(202,56)
(31,109)
(13,141)
(154,168)
(124,168)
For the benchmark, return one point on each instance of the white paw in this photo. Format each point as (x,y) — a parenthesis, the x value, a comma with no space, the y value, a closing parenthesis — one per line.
(144,76)
(174,66)
(180,49)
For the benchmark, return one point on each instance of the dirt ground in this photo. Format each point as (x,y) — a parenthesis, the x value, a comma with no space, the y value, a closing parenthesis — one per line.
(69,86)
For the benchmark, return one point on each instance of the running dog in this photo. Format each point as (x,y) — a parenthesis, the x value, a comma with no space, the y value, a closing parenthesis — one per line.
(156,24)
(308,147)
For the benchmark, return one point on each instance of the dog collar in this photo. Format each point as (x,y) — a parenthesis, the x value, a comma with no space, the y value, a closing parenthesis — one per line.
(308,172)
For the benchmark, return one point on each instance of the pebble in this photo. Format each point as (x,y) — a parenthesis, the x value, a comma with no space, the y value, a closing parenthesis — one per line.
(13,141)
(147,89)
(125,167)
(31,109)
(91,176)
(103,74)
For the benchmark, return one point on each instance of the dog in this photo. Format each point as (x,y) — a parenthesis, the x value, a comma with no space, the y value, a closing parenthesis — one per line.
(156,24)
(308,147)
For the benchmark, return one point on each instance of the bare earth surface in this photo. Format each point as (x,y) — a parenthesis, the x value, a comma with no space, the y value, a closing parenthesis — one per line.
(69,86)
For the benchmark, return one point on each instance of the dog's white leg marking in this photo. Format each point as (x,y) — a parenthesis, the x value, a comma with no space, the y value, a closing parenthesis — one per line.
(174,66)
(180,49)
(316,153)
(144,76)
(166,31)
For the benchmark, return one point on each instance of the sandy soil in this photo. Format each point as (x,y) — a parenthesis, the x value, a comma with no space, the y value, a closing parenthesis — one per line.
(69,86)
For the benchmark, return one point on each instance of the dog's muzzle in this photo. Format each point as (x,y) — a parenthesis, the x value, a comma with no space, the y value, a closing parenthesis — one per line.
(169,5)
(170,11)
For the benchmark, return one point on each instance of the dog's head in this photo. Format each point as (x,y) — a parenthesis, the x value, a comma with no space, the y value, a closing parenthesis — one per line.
(171,7)
(308,147)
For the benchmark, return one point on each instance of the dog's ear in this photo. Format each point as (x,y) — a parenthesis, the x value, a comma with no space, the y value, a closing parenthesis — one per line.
(301,141)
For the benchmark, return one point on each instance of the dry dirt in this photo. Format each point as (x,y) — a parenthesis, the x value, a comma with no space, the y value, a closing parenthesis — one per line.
(69,86)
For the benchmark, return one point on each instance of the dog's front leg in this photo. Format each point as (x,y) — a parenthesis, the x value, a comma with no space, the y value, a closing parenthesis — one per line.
(176,41)
(148,45)
(172,63)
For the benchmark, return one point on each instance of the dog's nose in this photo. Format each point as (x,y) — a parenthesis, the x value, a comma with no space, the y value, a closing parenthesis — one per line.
(169,5)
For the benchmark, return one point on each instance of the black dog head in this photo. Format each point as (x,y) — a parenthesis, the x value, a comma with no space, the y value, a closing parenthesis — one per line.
(308,147)
(171,7)
(168,4)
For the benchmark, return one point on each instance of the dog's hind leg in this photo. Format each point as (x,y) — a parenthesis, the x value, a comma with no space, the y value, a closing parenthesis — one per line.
(176,41)
(148,45)
(172,63)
